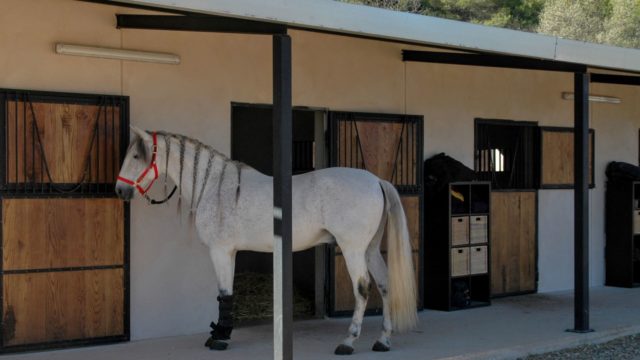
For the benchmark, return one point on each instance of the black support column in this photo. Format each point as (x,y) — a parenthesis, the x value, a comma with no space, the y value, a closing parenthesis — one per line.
(282,252)
(581,203)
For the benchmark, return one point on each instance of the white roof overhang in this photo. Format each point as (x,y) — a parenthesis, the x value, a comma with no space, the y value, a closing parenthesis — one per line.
(358,20)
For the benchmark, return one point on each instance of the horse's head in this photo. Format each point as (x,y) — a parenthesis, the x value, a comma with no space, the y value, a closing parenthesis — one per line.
(139,169)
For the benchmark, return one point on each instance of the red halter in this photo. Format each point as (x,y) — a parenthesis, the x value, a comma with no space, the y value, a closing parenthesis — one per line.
(151,166)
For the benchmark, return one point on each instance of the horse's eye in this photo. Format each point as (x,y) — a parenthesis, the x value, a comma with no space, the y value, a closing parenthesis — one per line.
(135,156)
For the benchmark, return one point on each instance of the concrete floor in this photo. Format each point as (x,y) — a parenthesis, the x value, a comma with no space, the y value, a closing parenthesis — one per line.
(509,328)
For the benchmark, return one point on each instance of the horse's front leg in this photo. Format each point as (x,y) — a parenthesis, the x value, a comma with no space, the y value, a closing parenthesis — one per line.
(224,265)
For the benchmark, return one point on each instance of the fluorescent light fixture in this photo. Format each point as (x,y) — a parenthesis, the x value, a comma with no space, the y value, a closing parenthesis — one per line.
(118,54)
(594,98)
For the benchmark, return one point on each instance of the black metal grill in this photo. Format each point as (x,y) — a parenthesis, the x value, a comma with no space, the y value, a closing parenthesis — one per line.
(303,156)
(506,154)
(348,149)
(26,167)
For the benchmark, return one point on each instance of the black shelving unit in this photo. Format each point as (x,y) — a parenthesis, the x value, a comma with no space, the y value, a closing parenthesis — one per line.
(457,249)
(622,254)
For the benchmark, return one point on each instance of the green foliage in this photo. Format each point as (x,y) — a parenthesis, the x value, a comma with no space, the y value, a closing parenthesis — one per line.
(414,6)
(515,14)
(615,22)
(575,19)
(623,27)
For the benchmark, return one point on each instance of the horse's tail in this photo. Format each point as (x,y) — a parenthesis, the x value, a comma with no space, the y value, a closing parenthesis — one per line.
(402,282)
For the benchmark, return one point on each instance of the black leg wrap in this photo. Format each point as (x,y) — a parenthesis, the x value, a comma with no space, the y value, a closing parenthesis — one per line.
(222,330)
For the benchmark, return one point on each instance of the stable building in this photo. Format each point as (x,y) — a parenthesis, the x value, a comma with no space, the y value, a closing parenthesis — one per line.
(370,88)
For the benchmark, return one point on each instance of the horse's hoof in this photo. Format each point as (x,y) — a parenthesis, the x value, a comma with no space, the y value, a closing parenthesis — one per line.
(218,345)
(378,346)
(343,349)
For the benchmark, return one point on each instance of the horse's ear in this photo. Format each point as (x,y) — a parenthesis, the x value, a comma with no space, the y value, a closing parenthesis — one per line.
(141,133)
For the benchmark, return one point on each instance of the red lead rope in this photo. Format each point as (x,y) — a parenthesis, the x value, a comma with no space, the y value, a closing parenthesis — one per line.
(151,166)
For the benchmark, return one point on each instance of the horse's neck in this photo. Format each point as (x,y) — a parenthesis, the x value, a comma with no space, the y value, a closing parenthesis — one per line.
(184,178)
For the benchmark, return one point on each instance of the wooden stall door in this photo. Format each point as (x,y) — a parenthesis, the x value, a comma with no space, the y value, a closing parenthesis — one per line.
(44,300)
(556,152)
(64,262)
(513,242)
(389,146)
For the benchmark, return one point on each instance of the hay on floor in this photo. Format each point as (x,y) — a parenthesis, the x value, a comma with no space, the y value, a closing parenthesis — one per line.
(252,298)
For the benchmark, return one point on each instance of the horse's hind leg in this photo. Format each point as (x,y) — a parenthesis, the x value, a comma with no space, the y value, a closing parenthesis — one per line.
(356,264)
(224,264)
(378,270)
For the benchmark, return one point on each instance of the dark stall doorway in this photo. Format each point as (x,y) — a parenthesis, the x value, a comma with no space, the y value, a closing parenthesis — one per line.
(251,143)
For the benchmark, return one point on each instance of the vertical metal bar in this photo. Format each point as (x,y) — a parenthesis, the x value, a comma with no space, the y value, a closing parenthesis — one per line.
(104,141)
(405,151)
(282,255)
(98,146)
(581,202)
(104,145)
(4,168)
(15,140)
(33,152)
(420,170)
(341,148)
(352,143)
(96,164)
(354,146)
(90,169)
(352,163)
(24,144)
(410,154)
(414,155)
(113,140)
(342,132)
(320,250)
(41,167)
(480,149)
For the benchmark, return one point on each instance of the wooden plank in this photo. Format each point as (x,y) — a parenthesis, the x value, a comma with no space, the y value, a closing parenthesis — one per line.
(411,206)
(56,306)
(406,161)
(379,141)
(513,242)
(66,131)
(38,233)
(557,158)
(527,237)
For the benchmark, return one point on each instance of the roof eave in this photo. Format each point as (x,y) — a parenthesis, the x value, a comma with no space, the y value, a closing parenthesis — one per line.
(358,20)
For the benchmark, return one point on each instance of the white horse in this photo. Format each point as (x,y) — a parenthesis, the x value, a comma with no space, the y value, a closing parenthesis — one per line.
(233,208)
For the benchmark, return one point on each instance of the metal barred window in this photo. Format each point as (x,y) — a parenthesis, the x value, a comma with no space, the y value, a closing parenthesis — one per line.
(506,153)
(61,144)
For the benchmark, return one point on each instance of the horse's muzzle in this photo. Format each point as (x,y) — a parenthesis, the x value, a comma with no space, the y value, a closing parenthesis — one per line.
(124,192)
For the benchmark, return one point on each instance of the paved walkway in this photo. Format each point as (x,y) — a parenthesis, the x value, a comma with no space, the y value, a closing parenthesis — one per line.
(510,328)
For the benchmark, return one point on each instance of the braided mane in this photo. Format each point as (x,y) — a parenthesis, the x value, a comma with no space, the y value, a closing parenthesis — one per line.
(199,147)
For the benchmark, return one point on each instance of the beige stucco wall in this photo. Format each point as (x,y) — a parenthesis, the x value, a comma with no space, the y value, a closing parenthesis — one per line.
(172,283)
